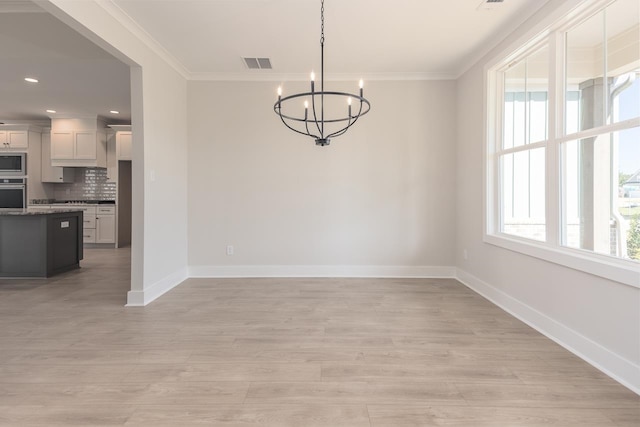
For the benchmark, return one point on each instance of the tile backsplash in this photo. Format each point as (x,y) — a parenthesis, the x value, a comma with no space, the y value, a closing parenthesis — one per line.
(89,184)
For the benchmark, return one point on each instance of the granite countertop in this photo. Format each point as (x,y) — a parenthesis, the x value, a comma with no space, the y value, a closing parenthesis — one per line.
(36,202)
(36,211)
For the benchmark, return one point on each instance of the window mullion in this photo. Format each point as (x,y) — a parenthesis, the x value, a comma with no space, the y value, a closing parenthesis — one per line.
(555,116)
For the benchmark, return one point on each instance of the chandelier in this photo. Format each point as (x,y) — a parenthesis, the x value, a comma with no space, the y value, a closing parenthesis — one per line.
(312,123)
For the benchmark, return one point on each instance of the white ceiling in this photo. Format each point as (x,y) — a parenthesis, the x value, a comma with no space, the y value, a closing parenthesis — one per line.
(375,38)
(75,76)
(206,39)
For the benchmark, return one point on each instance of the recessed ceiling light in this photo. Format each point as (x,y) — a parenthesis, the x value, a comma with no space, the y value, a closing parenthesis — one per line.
(114,112)
(51,111)
(30,80)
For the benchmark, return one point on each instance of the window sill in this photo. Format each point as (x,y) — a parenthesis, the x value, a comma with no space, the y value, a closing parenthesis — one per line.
(626,272)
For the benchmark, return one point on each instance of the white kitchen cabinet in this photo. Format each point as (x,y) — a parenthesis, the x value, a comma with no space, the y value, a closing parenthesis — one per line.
(112,161)
(123,141)
(14,140)
(106,228)
(106,224)
(55,174)
(124,145)
(86,145)
(78,148)
(89,223)
(62,145)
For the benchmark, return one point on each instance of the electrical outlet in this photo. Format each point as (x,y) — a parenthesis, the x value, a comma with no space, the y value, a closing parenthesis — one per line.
(229,250)
(465,255)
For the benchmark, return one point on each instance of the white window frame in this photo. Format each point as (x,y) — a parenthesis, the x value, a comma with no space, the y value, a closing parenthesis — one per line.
(552,33)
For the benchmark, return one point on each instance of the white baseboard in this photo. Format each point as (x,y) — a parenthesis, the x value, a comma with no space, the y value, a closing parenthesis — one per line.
(381,271)
(620,369)
(144,297)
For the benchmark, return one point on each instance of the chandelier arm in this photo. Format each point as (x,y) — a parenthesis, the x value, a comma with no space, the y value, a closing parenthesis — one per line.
(306,124)
(301,133)
(339,133)
(343,130)
(294,129)
(313,107)
(355,119)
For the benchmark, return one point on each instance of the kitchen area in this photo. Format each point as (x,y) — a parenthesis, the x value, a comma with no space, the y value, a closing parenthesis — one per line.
(76,165)
(65,147)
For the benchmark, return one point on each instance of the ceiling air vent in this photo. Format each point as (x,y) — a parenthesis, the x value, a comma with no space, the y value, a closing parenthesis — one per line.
(258,63)
(490,4)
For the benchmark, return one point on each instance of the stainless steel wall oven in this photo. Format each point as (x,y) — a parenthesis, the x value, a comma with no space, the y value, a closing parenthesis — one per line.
(13,193)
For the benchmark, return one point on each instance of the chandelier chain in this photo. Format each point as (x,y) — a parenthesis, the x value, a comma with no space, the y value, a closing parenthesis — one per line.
(322,22)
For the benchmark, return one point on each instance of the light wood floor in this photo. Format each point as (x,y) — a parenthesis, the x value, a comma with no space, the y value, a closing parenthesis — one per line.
(284,352)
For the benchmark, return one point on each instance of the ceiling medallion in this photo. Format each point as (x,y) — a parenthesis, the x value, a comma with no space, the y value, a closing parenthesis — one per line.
(313,123)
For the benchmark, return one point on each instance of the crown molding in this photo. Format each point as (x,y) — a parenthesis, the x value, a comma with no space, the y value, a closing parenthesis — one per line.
(130,24)
(499,36)
(335,77)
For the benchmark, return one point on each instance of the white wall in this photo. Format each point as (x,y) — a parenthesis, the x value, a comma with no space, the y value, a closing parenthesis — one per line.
(381,195)
(159,94)
(596,318)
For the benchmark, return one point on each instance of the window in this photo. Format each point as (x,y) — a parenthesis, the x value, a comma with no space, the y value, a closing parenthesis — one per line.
(522,155)
(563,143)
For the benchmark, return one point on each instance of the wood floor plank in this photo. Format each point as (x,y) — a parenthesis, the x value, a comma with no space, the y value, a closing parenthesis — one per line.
(251,416)
(466,416)
(340,371)
(65,416)
(353,393)
(549,396)
(239,371)
(57,374)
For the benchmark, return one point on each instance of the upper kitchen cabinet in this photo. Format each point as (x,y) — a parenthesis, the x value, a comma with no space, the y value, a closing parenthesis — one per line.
(112,161)
(78,142)
(16,137)
(123,141)
(53,173)
(123,145)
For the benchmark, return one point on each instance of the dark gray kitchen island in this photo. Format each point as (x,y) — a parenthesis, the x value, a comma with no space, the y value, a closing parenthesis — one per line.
(39,242)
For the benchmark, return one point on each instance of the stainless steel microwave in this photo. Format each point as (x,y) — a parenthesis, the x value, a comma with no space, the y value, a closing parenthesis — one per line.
(13,164)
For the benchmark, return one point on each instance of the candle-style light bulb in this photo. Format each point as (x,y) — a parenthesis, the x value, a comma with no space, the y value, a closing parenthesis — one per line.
(306,105)
(279,90)
(349,101)
(313,77)
(361,86)
(306,110)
